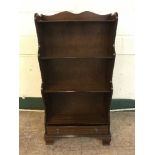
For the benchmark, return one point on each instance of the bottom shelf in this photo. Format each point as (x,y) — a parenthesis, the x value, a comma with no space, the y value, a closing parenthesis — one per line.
(77,108)
(88,119)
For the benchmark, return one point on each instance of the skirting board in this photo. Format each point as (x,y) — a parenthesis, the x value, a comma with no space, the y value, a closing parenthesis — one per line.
(36,103)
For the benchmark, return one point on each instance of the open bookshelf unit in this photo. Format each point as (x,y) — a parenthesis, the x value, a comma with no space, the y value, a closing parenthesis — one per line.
(76,54)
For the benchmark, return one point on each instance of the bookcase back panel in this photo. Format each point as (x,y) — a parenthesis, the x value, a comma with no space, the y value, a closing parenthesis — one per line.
(77,73)
(77,39)
(74,107)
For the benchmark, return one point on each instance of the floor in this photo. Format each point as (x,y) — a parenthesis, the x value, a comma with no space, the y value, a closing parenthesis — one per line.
(32,142)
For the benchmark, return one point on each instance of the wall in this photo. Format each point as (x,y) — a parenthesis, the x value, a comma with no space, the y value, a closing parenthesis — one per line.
(123,79)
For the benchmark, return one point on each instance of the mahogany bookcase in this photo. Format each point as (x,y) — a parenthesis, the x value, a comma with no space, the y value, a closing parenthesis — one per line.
(76,55)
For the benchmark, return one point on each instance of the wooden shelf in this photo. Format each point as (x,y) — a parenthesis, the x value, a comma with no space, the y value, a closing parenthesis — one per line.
(62,87)
(74,106)
(74,52)
(76,119)
(64,74)
(50,57)
(67,40)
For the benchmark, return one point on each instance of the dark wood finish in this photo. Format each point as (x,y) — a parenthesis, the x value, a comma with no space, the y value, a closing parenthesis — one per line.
(79,130)
(76,56)
(91,74)
(77,108)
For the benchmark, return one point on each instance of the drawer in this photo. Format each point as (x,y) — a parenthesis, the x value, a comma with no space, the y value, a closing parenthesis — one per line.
(77,130)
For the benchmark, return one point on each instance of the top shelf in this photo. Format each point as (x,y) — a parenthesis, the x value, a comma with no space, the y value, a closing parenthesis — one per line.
(50,57)
(76,39)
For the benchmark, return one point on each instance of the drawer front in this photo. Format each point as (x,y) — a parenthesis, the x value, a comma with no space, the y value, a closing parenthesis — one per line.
(77,130)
